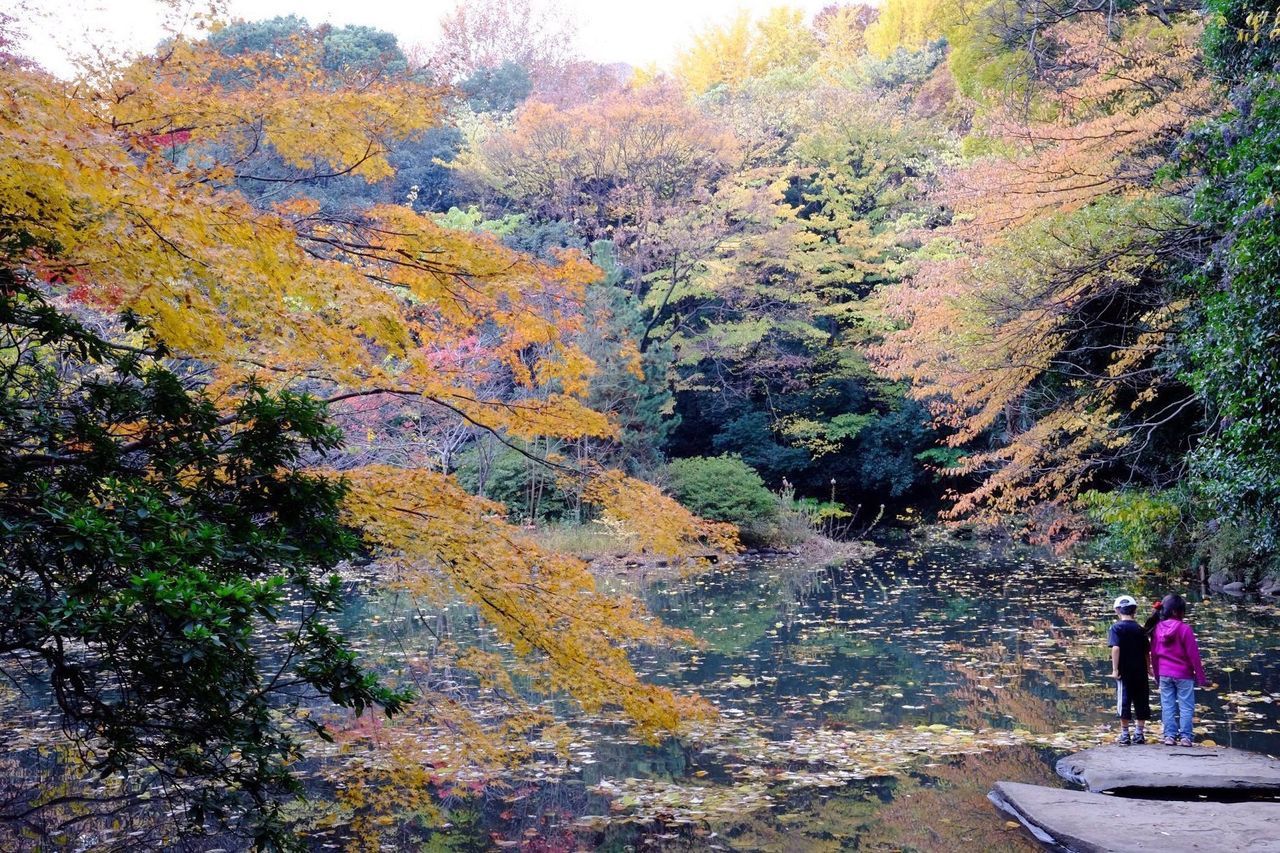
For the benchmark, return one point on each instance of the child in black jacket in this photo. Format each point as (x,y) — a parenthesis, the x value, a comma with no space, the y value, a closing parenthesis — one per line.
(1129,647)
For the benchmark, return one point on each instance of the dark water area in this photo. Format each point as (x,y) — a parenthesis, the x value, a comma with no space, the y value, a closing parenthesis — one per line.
(962,664)
(865,706)
(906,637)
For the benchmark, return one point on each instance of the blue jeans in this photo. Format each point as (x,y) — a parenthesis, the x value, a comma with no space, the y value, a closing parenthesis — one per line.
(1177,696)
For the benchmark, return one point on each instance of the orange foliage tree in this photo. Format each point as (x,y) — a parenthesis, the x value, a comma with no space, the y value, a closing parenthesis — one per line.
(620,166)
(131,177)
(1036,328)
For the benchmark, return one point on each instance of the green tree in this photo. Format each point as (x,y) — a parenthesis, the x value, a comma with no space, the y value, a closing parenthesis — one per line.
(754,438)
(632,386)
(499,89)
(348,49)
(1235,341)
(165,570)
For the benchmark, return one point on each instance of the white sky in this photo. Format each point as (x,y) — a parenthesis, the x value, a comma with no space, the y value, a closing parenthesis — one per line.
(640,32)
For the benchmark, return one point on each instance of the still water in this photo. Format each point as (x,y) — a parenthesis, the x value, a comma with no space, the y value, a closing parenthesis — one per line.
(870,705)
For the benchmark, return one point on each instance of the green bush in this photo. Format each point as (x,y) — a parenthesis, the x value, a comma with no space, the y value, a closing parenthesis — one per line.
(1238,41)
(723,488)
(1141,526)
(1232,547)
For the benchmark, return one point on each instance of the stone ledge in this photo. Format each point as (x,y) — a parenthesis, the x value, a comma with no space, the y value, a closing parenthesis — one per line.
(1189,770)
(1081,822)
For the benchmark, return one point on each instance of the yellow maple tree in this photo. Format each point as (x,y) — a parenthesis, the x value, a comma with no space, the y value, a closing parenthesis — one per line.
(729,54)
(911,24)
(126,190)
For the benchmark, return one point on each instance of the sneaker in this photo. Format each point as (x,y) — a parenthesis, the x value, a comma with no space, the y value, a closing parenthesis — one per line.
(1139,738)
(1123,740)
(1186,741)
(1170,742)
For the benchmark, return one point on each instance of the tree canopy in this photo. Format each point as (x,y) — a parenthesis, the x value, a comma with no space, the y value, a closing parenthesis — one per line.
(200,439)
(285,306)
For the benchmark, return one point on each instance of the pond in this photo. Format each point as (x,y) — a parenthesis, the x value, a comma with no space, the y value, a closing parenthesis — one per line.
(871,705)
(868,705)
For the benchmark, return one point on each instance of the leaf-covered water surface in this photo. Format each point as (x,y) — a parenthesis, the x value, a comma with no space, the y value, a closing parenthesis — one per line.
(871,703)
(854,699)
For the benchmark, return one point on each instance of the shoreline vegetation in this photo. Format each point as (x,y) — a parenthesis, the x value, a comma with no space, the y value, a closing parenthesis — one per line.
(523,331)
(611,553)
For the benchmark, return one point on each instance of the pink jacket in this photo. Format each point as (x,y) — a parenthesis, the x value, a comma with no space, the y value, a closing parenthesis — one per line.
(1174,652)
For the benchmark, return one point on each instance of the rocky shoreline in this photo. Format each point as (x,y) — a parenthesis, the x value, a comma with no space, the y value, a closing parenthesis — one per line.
(1184,799)
(1267,587)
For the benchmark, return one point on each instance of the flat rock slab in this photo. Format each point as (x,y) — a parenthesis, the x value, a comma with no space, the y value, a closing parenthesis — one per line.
(1097,823)
(1191,769)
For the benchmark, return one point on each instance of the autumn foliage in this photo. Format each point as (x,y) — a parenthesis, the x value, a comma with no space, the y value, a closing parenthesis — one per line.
(1036,337)
(1013,255)
(132,193)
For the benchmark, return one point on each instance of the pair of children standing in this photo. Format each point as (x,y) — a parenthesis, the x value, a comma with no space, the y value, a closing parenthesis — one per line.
(1166,647)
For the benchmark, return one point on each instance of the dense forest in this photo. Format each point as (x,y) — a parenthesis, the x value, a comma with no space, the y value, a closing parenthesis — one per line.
(280,302)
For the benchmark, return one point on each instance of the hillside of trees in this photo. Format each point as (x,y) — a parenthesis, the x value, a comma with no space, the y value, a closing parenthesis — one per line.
(983,257)
(278,299)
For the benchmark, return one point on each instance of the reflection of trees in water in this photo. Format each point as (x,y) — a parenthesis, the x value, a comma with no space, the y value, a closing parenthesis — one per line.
(51,800)
(949,810)
(1031,684)
(735,607)
(965,637)
(44,801)
(784,584)
(534,818)
(941,812)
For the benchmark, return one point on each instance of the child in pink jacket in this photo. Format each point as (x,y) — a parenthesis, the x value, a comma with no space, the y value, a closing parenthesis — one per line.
(1176,666)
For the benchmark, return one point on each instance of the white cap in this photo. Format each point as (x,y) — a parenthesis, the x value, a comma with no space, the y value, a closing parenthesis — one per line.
(1126,601)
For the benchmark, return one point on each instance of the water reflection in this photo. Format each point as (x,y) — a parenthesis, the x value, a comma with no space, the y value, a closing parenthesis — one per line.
(868,705)
(943,634)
